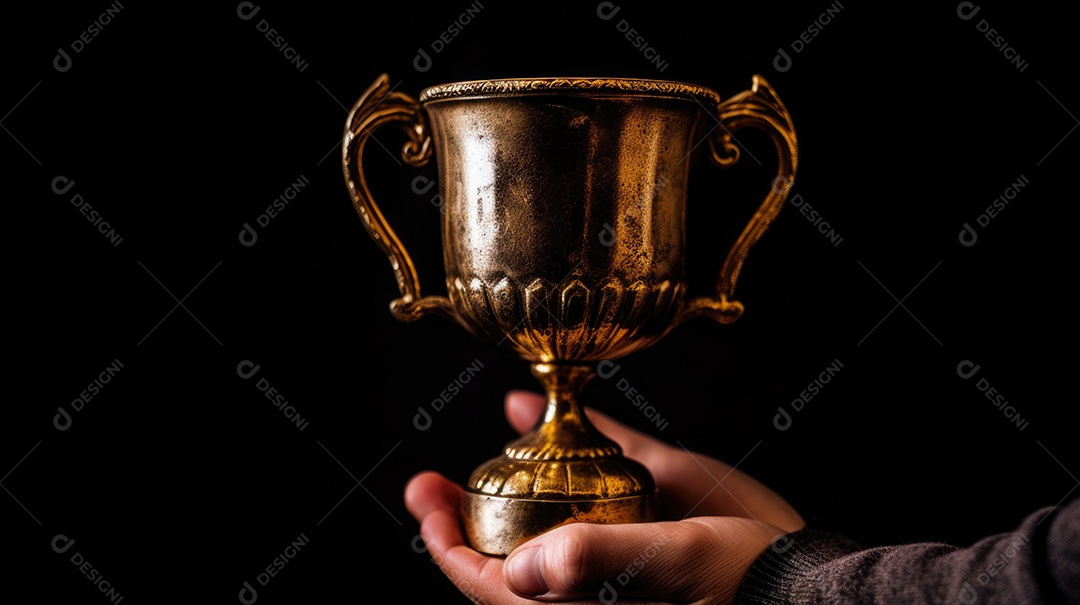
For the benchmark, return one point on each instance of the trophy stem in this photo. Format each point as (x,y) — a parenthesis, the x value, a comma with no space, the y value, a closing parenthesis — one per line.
(563,385)
(563,471)
(563,432)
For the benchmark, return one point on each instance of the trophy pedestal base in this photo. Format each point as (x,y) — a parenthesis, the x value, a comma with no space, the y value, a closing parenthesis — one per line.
(563,471)
(496,525)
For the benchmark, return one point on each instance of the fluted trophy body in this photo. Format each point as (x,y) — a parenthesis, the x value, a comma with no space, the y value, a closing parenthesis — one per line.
(565,219)
(563,235)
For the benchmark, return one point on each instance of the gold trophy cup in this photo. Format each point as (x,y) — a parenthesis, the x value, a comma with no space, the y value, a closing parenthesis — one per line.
(564,241)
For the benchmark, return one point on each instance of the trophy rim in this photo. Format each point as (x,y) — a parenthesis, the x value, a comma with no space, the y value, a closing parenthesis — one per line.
(583,86)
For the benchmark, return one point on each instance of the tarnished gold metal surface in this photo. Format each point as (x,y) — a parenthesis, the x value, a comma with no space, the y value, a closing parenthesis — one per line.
(564,241)
(563,471)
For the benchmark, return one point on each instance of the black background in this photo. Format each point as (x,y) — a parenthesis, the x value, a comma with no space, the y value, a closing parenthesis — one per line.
(180,480)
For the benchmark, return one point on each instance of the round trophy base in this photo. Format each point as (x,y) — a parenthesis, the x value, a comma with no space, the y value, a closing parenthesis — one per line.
(496,525)
(563,471)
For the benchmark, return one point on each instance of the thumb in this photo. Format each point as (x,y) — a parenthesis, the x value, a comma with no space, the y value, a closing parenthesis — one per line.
(699,560)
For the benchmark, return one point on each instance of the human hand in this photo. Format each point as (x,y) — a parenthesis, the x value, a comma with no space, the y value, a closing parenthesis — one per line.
(721,520)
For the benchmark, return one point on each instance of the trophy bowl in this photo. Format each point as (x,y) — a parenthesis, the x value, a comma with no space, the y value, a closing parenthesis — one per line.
(563,240)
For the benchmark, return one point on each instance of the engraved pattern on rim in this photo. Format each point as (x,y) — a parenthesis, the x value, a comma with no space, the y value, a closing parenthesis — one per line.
(590,85)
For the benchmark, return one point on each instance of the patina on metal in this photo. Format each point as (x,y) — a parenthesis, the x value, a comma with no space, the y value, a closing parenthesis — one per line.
(564,239)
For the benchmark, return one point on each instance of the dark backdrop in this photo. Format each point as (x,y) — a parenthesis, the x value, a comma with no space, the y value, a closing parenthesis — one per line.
(179,126)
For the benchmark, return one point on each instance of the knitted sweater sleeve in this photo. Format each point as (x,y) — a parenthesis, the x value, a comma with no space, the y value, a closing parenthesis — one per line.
(1038,562)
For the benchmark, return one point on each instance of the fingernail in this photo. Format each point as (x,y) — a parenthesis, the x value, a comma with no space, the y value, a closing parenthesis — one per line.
(525,572)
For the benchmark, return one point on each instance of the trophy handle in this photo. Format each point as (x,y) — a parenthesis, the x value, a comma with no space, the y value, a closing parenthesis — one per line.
(380,105)
(759,108)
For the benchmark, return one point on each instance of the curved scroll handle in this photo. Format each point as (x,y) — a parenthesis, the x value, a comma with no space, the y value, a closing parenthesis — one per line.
(759,108)
(379,105)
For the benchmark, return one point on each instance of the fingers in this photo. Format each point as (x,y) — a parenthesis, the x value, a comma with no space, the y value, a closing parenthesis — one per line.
(700,560)
(523,409)
(429,491)
(637,445)
(435,501)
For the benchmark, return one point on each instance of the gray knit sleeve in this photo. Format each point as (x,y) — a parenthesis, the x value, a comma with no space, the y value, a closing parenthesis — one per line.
(1039,562)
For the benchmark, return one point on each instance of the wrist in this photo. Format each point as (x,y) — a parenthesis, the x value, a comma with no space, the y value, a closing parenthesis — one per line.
(784,572)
